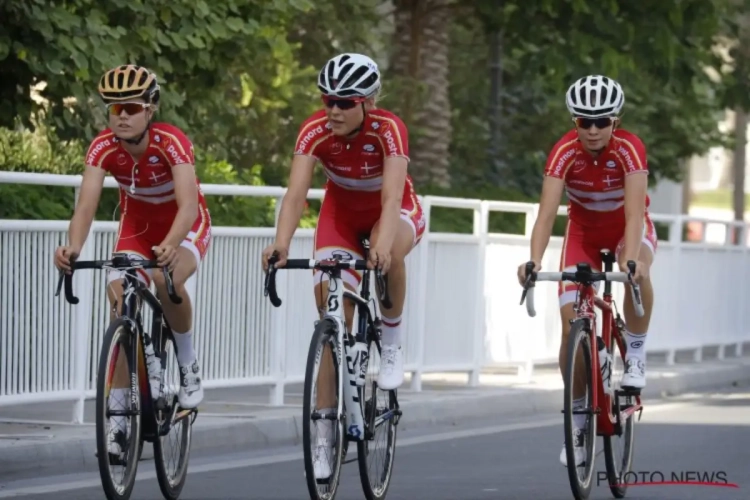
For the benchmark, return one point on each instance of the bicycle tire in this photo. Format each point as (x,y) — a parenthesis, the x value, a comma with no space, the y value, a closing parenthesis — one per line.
(581,488)
(615,475)
(171,485)
(324,334)
(118,333)
(363,447)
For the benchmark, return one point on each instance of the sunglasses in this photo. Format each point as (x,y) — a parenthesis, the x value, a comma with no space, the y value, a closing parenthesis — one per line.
(131,108)
(341,103)
(587,123)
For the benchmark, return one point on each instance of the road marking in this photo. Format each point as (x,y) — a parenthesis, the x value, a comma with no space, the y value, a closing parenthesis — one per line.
(144,475)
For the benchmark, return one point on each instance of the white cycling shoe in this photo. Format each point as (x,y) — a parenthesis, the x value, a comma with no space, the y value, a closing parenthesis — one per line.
(635,373)
(322,454)
(391,374)
(579,449)
(191,389)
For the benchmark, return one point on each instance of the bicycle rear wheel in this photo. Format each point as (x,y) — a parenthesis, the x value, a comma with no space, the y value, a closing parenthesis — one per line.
(377,451)
(172,443)
(580,475)
(124,448)
(315,446)
(618,449)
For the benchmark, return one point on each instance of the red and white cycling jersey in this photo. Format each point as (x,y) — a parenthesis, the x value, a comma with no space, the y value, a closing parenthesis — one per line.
(146,186)
(355,167)
(596,186)
(148,204)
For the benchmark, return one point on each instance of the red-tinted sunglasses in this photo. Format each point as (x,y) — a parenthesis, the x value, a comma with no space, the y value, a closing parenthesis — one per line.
(587,123)
(341,103)
(131,108)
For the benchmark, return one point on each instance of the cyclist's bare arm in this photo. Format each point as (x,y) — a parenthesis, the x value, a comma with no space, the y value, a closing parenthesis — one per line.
(636,187)
(186,194)
(549,202)
(293,204)
(394,178)
(85,211)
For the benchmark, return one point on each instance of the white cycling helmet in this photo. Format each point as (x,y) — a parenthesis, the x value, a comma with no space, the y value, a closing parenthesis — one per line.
(349,75)
(595,96)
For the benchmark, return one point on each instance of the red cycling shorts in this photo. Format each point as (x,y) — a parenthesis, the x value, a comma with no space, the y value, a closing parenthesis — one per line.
(583,244)
(341,228)
(137,235)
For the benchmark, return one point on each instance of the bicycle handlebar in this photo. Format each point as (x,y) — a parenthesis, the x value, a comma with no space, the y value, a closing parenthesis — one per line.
(120,263)
(579,276)
(324,265)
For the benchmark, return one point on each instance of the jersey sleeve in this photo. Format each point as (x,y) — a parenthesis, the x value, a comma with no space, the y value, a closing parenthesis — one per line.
(562,156)
(311,134)
(632,152)
(100,149)
(177,148)
(394,137)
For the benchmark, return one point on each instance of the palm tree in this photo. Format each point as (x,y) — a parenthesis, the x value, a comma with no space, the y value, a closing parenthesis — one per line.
(420,61)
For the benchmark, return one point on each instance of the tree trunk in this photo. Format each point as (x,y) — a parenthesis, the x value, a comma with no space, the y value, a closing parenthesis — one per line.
(495,107)
(738,166)
(421,56)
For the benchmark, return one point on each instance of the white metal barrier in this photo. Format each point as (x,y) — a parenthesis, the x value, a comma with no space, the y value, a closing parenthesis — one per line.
(462,311)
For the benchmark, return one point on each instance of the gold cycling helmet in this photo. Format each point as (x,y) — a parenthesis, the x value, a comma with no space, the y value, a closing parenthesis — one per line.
(128,82)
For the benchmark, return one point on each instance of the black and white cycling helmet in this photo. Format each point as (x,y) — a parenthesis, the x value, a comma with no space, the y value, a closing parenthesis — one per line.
(595,96)
(349,75)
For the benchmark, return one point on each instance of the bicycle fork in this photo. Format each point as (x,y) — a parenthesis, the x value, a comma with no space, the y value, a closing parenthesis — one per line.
(352,361)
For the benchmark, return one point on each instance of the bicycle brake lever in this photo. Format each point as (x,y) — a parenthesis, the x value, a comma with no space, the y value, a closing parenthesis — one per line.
(170,286)
(60,283)
(269,289)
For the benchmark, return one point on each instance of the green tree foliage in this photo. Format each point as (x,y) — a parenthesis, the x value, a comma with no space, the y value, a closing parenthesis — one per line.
(239,78)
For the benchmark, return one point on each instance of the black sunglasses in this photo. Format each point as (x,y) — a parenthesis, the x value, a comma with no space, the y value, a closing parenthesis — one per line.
(341,103)
(600,123)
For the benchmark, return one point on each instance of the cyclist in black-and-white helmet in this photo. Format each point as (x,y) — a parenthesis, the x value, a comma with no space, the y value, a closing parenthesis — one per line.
(604,171)
(364,151)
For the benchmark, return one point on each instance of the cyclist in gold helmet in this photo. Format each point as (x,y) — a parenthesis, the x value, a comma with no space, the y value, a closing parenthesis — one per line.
(163,215)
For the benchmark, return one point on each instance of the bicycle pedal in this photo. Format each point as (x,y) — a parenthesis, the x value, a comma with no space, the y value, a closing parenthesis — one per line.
(630,391)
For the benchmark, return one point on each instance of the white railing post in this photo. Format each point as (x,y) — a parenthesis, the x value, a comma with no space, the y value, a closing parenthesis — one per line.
(83,285)
(481,228)
(420,329)
(278,335)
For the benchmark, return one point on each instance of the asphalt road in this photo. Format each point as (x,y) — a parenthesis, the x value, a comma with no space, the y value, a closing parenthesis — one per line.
(695,434)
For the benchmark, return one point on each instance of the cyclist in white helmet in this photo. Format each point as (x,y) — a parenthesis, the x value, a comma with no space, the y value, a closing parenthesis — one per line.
(365,154)
(604,172)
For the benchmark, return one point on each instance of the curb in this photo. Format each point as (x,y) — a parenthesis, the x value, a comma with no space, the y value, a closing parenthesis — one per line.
(231,436)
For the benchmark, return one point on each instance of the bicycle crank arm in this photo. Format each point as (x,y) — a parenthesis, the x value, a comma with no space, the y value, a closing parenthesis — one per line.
(595,411)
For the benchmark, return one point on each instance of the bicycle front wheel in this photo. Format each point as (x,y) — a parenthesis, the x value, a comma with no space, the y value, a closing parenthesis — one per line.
(118,413)
(618,449)
(174,427)
(578,371)
(377,451)
(322,431)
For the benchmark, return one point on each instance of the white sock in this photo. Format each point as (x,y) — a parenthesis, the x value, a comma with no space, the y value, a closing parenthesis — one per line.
(118,400)
(391,331)
(579,419)
(183,342)
(635,345)
(325,427)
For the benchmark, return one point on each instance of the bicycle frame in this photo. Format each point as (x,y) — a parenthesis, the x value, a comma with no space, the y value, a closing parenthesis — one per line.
(134,293)
(348,388)
(608,422)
